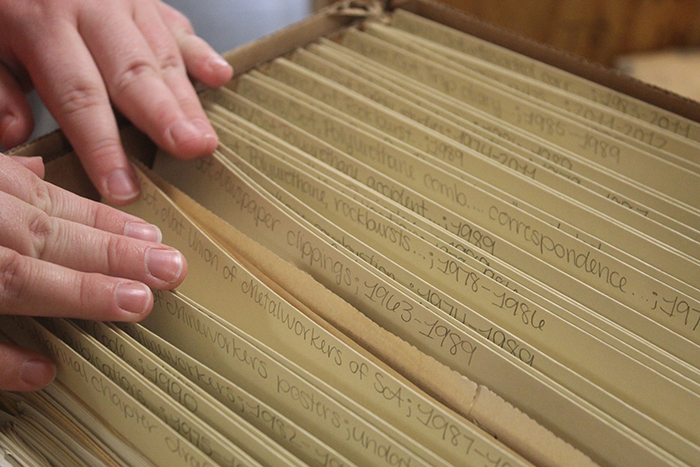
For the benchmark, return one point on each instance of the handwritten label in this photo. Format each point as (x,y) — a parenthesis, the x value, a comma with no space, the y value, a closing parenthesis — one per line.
(627,128)
(452,195)
(190,427)
(261,415)
(545,73)
(327,366)
(636,299)
(379,231)
(597,145)
(402,130)
(279,387)
(124,414)
(510,305)
(363,81)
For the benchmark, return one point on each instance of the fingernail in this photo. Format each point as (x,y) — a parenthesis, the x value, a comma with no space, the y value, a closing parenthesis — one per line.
(218,63)
(183,131)
(37,373)
(165,265)
(206,129)
(133,297)
(7,122)
(203,127)
(121,186)
(141,231)
(37,159)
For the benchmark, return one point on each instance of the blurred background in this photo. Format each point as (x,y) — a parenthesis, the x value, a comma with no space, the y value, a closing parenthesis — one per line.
(226,24)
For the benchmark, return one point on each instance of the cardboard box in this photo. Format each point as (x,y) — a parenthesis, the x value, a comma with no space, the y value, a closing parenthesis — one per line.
(64,169)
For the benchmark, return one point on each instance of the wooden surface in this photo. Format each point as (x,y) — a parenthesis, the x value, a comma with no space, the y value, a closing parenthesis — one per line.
(599,30)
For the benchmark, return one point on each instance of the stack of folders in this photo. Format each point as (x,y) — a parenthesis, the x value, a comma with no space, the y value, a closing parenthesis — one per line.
(411,248)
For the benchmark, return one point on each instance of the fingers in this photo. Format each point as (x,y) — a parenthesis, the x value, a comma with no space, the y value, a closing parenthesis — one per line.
(56,202)
(71,86)
(173,72)
(31,232)
(16,121)
(32,287)
(202,62)
(133,54)
(61,255)
(134,77)
(23,369)
(34,164)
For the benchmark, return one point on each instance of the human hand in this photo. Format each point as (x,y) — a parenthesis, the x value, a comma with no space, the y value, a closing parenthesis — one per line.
(79,54)
(65,256)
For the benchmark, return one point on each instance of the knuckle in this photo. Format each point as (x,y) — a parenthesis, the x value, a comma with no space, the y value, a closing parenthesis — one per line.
(14,278)
(40,196)
(103,217)
(87,292)
(170,59)
(120,251)
(78,96)
(132,74)
(41,228)
(104,149)
(93,215)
